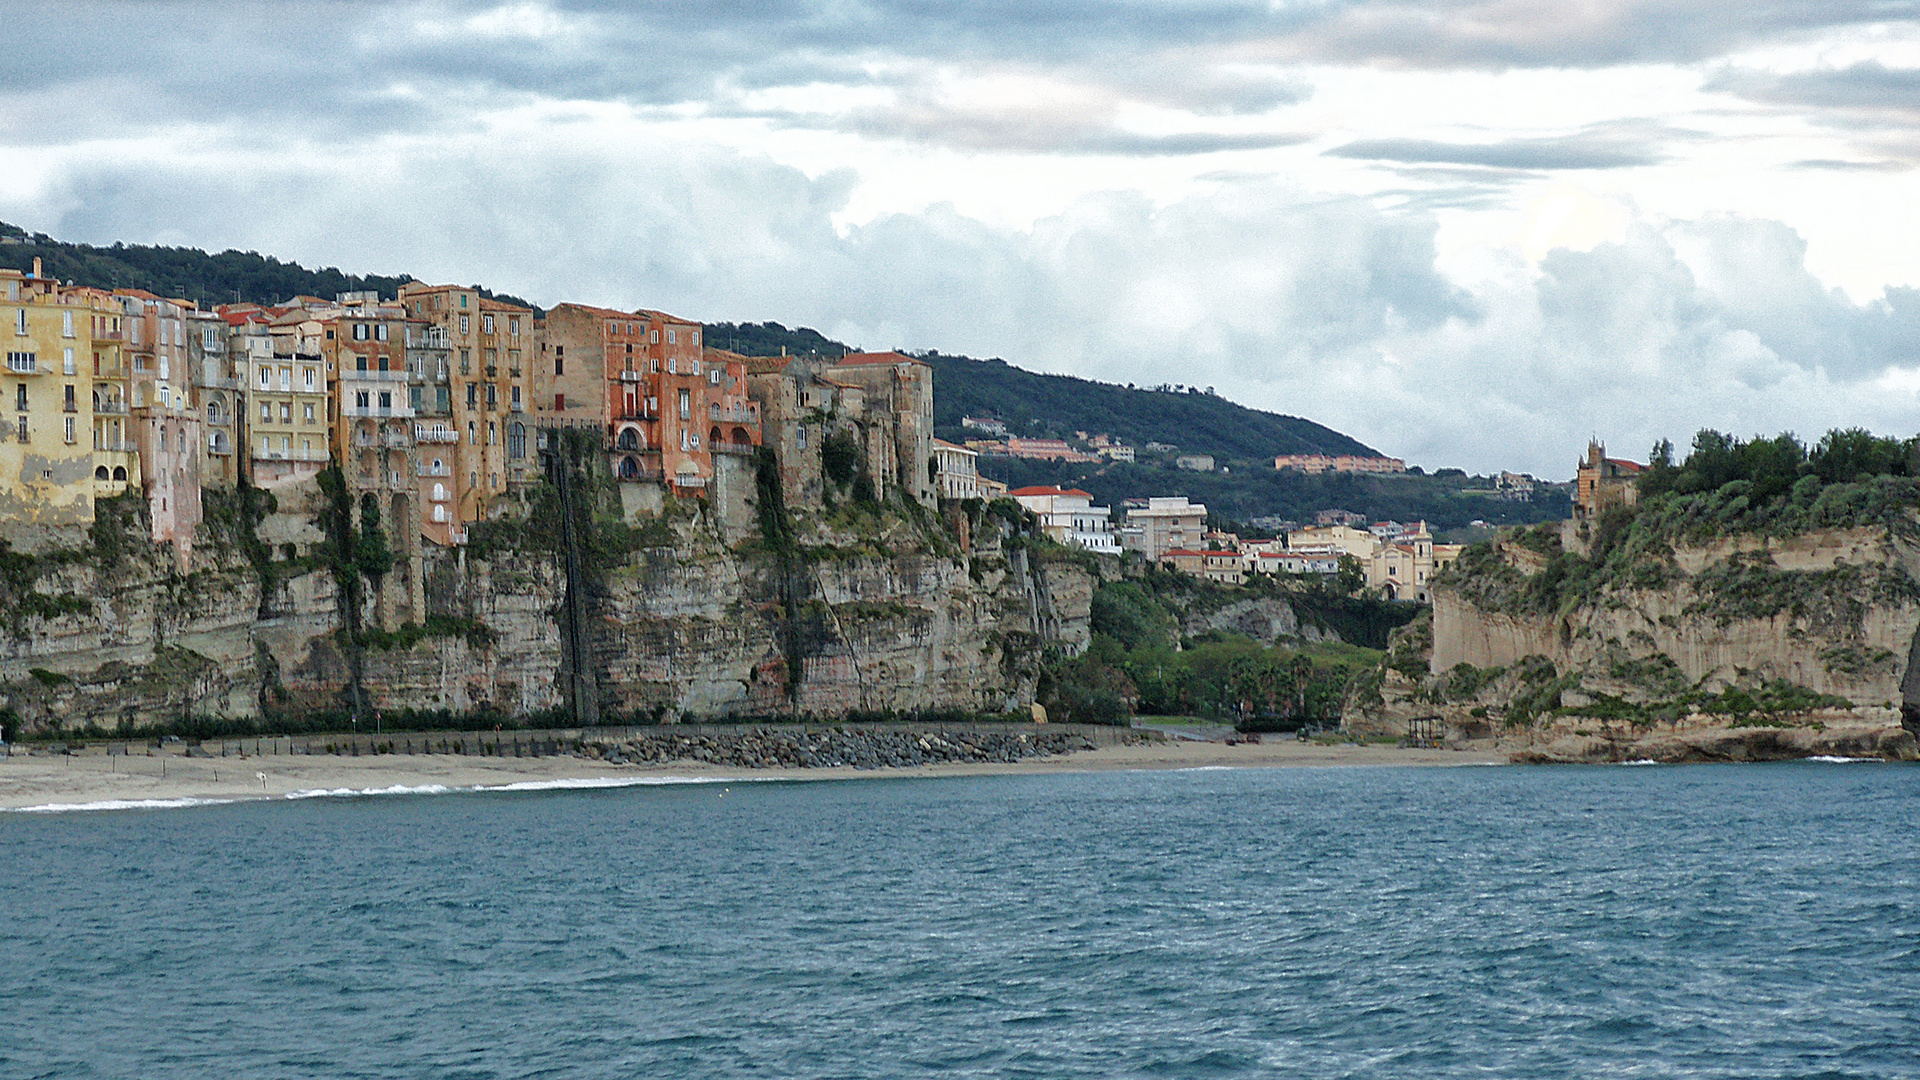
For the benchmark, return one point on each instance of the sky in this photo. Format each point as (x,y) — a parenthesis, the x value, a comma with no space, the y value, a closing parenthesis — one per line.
(1470,233)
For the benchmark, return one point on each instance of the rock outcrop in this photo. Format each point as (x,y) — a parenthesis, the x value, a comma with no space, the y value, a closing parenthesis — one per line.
(866,609)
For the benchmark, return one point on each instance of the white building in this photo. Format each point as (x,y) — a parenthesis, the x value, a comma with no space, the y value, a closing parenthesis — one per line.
(1164,525)
(1068,516)
(955,474)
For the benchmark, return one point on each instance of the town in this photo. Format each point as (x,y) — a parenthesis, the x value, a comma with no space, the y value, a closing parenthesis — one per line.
(435,405)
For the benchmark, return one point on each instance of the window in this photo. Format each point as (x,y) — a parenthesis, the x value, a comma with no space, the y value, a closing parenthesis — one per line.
(308,418)
(310,376)
(359,362)
(493,432)
(209,338)
(413,397)
(493,397)
(466,361)
(286,378)
(20,321)
(439,512)
(329,333)
(68,404)
(473,395)
(559,359)
(266,378)
(486,324)
(686,404)
(693,337)
(800,437)
(713,376)
(655,337)
(517,441)
(66,324)
(670,335)
(266,412)
(360,399)
(359,331)
(286,412)
(69,431)
(473,436)
(20,429)
(516,399)
(386,401)
(513,327)
(463,303)
(380,332)
(466,323)
(66,361)
(20,397)
(559,403)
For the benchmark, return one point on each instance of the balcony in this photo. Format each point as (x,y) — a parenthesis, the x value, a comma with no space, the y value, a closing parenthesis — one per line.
(741,449)
(689,480)
(637,414)
(632,376)
(289,455)
(114,446)
(395,440)
(375,412)
(109,408)
(435,434)
(736,415)
(516,407)
(400,482)
(493,371)
(357,375)
(430,470)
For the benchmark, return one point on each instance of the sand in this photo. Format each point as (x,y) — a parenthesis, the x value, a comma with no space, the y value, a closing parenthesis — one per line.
(96,780)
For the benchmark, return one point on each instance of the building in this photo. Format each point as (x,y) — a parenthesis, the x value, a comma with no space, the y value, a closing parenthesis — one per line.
(1117,452)
(1601,482)
(490,345)
(218,396)
(1068,516)
(1044,450)
(984,423)
(163,421)
(1194,462)
(954,471)
(47,470)
(895,406)
(287,400)
(1348,463)
(1212,564)
(1163,525)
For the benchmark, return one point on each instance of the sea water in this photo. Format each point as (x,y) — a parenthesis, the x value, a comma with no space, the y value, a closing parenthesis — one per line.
(1706,921)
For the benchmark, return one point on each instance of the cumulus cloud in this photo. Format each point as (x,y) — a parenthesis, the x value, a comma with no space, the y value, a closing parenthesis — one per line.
(1317,306)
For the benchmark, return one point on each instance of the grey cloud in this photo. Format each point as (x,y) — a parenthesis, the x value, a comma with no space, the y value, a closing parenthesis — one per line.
(1852,166)
(1867,86)
(1569,152)
(1044,131)
(1323,307)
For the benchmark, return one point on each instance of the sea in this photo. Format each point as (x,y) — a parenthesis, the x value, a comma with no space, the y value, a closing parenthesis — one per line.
(1542,922)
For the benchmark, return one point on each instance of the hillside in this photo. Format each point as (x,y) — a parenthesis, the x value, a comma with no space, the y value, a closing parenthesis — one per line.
(1055,406)
(189,273)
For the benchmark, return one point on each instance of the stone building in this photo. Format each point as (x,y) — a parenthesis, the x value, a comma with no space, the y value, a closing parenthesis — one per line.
(46,457)
(1601,481)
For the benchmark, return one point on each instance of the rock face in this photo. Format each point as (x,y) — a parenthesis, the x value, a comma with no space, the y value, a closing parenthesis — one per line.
(874,611)
(1748,648)
(820,748)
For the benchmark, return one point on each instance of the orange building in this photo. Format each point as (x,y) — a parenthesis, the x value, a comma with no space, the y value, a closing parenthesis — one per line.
(1601,481)
(491,345)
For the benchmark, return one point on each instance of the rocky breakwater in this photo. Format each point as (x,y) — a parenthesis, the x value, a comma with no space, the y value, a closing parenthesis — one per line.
(837,747)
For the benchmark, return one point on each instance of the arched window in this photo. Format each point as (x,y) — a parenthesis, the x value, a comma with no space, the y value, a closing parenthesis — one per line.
(629,439)
(629,468)
(741,437)
(516,440)
(439,493)
(101,473)
(713,438)
(439,513)
(120,473)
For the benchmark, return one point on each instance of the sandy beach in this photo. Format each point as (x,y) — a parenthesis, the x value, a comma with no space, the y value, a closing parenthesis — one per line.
(96,780)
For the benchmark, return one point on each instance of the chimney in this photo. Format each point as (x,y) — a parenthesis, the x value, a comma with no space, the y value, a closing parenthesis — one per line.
(36,266)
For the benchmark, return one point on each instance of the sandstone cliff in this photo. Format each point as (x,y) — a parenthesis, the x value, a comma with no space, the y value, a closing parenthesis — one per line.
(687,611)
(1732,647)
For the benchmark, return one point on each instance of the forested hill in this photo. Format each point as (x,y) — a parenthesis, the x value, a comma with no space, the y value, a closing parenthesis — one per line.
(1055,406)
(189,273)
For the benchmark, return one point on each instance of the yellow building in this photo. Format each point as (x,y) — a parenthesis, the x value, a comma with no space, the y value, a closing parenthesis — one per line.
(46,457)
(116,460)
(287,401)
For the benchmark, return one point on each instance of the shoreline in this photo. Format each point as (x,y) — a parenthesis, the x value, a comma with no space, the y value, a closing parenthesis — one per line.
(93,782)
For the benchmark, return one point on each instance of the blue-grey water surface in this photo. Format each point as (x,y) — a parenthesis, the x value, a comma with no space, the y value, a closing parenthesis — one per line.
(1741,921)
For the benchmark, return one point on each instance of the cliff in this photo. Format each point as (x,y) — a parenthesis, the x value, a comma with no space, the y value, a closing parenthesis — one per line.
(568,611)
(1632,640)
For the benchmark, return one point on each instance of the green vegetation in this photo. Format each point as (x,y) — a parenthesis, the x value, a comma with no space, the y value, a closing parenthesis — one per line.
(1141,662)
(191,273)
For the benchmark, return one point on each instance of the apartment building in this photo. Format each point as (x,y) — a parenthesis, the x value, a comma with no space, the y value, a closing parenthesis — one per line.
(218,395)
(894,405)
(165,425)
(116,460)
(1163,525)
(46,458)
(288,438)
(491,345)
(371,406)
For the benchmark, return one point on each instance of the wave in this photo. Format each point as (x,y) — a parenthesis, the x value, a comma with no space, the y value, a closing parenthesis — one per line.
(1831,760)
(1641,761)
(115,804)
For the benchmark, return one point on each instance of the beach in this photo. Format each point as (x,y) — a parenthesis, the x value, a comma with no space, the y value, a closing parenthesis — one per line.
(97,780)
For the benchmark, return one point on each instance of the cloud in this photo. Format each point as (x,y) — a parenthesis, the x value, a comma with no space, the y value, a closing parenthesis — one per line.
(1582,151)
(1864,87)
(1326,307)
